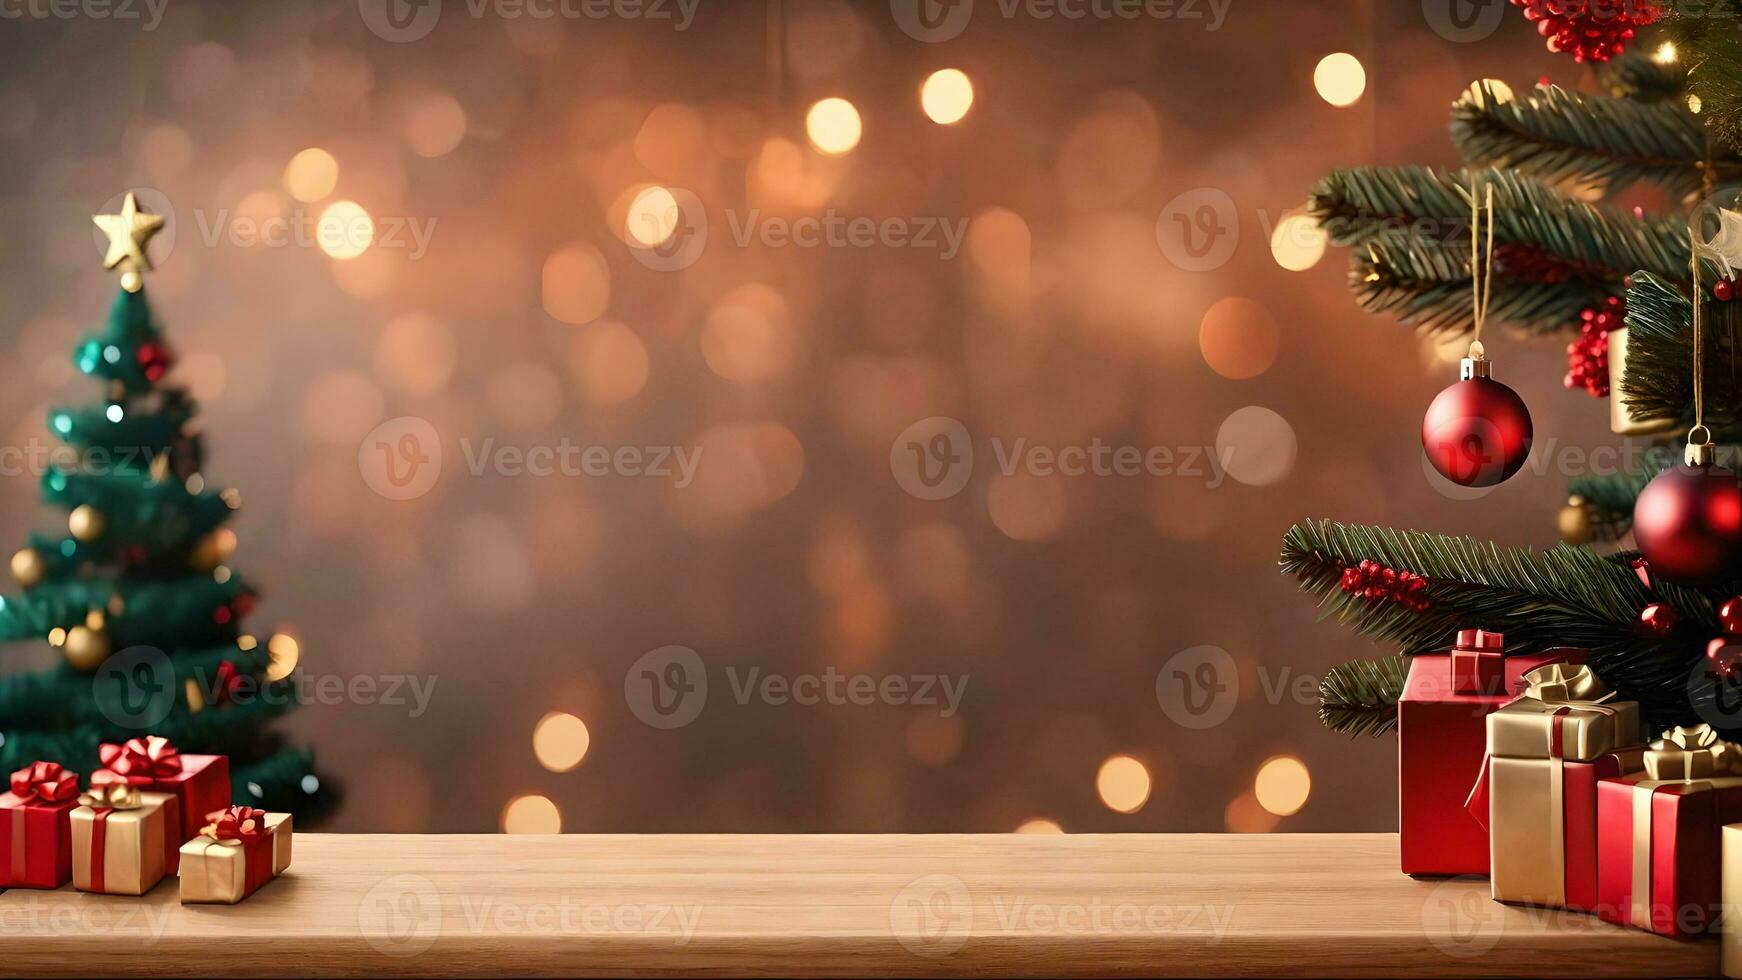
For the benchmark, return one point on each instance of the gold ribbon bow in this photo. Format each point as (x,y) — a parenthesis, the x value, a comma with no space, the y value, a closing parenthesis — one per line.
(1564,683)
(1689,752)
(114,796)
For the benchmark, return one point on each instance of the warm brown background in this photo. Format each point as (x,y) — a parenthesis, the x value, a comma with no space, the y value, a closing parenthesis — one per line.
(523,595)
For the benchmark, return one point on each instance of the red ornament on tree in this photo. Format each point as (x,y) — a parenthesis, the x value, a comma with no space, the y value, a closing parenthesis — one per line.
(1588,356)
(1376,583)
(1477,432)
(155,360)
(1658,619)
(1724,290)
(1724,656)
(1730,615)
(1688,520)
(1589,30)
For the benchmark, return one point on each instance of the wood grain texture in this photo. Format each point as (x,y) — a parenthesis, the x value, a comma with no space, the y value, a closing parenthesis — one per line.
(883,905)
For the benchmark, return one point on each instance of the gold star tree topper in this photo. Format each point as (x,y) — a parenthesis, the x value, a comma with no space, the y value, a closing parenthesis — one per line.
(128,234)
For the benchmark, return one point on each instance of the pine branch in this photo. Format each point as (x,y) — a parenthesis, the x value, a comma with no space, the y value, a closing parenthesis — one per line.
(1711,47)
(1566,596)
(1425,283)
(1659,382)
(1360,697)
(1557,135)
(1638,76)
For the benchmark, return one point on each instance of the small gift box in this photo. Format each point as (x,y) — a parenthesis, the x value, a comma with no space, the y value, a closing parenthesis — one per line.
(122,839)
(240,850)
(1479,663)
(1661,833)
(1441,742)
(36,841)
(1537,794)
(200,783)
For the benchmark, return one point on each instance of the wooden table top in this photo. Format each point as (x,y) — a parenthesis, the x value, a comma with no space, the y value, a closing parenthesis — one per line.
(871,905)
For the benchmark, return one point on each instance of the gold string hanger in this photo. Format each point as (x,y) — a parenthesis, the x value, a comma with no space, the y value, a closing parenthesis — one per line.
(1481,264)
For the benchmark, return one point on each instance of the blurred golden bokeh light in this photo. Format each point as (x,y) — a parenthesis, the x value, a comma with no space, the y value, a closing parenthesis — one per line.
(311,175)
(345,230)
(653,216)
(434,126)
(1297,242)
(531,814)
(833,126)
(1039,825)
(1238,338)
(1283,785)
(1340,79)
(946,96)
(1123,784)
(577,283)
(560,741)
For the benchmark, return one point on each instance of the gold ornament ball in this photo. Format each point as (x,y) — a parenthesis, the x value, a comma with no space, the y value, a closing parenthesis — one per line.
(214,549)
(86,648)
(86,523)
(28,567)
(1574,522)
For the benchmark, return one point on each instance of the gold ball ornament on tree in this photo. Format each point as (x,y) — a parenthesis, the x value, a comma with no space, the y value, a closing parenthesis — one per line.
(86,523)
(1574,522)
(213,550)
(86,648)
(28,567)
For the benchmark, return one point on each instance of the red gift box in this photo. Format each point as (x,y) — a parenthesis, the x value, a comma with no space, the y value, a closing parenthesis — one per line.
(36,832)
(1442,739)
(1660,832)
(1479,663)
(200,783)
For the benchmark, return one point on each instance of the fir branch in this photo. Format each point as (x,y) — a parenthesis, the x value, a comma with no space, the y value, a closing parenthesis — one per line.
(1638,76)
(1659,380)
(1425,283)
(1360,697)
(1563,597)
(1558,135)
(1711,46)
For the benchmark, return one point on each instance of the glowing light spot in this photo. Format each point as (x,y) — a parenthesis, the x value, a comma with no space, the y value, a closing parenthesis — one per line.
(1340,79)
(1123,783)
(652,217)
(345,230)
(1297,243)
(435,126)
(560,741)
(531,814)
(1039,825)
(114,413)
(1665,53)
(577,283)
(833,126)
(284,652)
(610,361)
(1501,91)
(311,175)
(1238,338)
(1258,445)
(1283,785)
(946,96)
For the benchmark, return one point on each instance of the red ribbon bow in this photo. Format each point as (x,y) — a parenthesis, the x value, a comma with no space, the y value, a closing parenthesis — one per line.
(235,823)
(138,761)
(49,782)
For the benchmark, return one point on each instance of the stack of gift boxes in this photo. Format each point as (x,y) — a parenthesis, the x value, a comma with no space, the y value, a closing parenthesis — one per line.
(150,812)
(1529,770)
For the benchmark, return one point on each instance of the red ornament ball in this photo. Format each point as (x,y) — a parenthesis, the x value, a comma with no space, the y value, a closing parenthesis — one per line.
(1477,432)
(155,360)
(1730,615)
(1688,522)
(1724,657)
(1723,290)
(1658,619)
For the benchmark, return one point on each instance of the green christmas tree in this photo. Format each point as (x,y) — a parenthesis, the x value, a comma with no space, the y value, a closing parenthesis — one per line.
(138,594)
(1564,261)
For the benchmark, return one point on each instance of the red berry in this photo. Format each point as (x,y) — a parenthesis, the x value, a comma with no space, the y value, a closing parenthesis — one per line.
(1723,289)
(1658,619)
(1730,615)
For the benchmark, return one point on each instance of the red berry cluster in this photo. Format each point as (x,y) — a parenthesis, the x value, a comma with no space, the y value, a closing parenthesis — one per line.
(1375,583)
(156,360)
(1588,356)
(1589,30)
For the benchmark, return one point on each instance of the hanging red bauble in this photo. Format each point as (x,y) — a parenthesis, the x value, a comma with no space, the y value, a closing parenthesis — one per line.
(1688,520)
(1724,656)
(155,360)
(1477,432)
(1658,619)
(1589,30)
(1730,615)
(1588,356)
(1724,290)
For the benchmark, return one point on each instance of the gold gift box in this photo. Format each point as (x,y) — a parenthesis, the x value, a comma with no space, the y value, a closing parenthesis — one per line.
(133,846)
(217,872)
(1525,729)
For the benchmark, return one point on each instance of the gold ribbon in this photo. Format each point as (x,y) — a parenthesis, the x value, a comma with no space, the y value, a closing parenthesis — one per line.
(114,796)
(1565,683)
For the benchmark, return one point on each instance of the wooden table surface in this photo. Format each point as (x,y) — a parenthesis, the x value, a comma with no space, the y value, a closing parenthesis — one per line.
(923,905)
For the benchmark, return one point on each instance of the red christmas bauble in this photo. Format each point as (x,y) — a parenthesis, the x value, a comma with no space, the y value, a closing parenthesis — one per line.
(1723,656)
(1730,615)
(1688,521)
(1723,290)
(1658,619)
(1477,432)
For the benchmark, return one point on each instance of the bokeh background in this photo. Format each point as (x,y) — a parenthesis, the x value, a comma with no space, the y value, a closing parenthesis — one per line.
(534,152)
